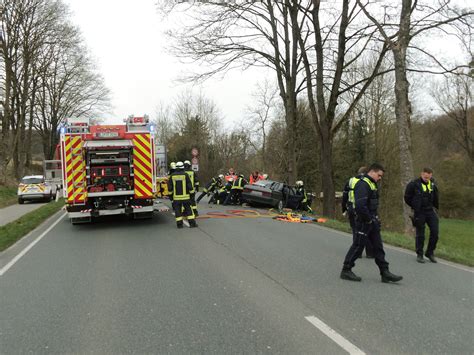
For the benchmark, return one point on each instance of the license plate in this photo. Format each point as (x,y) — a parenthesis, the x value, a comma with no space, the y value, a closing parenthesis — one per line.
(107,134)
(257,193)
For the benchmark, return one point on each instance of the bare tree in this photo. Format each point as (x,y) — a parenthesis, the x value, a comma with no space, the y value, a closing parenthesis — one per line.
(70,86)
(454,98)
(332,43)
(260,116)
(164,123)
(225,35)
(415,19)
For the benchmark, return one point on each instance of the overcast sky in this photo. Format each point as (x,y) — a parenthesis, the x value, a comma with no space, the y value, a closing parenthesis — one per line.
(126,39)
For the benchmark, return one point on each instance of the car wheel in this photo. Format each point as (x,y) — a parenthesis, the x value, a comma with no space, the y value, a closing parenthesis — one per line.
(21,201)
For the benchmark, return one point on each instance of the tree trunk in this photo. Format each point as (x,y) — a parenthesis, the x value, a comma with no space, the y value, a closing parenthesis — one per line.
(327,173)
(402,113)
(292,136)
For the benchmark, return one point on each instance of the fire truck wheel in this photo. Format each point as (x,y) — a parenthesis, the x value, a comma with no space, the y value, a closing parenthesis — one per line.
(21,201)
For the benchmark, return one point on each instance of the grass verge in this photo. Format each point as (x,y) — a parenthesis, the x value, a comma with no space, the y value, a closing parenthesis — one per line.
(7,196)
(455,239)
(13,231)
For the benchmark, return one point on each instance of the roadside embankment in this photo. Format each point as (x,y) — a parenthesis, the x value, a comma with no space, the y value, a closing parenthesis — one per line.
(7,196)
(455,239)
(13,231)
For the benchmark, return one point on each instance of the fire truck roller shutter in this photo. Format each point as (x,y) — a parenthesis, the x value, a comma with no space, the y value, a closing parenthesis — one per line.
(75,170)
(143,166)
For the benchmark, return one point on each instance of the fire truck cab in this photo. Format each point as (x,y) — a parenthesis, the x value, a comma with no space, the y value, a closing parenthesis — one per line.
(108,169)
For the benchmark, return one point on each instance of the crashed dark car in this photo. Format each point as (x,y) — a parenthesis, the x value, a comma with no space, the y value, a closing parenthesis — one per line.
(271,193)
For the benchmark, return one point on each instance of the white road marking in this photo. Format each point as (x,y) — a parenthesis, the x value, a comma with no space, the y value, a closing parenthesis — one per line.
(31,245)
(335,336)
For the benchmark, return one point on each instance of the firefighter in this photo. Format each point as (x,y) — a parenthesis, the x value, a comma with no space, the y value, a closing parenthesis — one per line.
(220,195)
(195,183)
(304,204)
(172,168)
(422,196)
(366,201)
(179,187)
(212,186)
(348,206)
(235,195)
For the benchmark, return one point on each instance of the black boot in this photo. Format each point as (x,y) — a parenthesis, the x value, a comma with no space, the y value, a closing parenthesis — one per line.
(432,258)
(192,223)
(349,275)
(387,277)
(179,225)
(420,259)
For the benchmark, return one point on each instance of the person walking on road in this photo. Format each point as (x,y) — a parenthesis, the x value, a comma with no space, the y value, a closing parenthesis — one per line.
(422,196)
(348,206)
(195,185)
(367,225)
(179,187)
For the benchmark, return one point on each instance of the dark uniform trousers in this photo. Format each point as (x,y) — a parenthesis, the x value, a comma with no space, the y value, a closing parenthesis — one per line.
(430,218)
(182,208)
(366,232)
(352,221)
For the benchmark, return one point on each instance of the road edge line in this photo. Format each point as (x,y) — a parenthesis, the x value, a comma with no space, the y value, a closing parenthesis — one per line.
(12,262)
(334,336)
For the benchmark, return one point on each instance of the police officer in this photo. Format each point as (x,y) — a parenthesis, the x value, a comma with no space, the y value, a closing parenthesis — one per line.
(422,196)
(348,206)
(235,195)
(367,225)
(214,185)
(195,183)
(304,203)
(179,187)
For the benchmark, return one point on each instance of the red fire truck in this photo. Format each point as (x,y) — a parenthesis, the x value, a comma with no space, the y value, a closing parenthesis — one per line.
(108,169)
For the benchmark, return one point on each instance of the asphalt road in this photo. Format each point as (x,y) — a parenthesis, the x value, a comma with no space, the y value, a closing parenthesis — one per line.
(233,285)
(11,213)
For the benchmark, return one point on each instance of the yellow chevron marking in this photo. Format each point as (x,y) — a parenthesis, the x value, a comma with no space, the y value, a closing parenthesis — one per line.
(146,172)
(142,187)
(145,139)
(143,159)
(143,179)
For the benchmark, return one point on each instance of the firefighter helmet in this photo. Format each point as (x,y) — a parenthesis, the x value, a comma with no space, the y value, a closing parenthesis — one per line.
(179,165)
(299,183)
(172,165)
(187,163)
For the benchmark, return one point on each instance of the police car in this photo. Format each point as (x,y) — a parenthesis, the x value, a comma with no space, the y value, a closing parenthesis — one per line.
(34,187)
